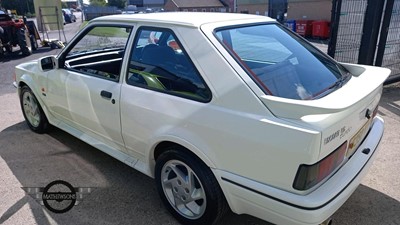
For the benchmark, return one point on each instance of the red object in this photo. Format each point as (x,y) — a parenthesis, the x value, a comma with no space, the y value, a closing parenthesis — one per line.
(304,27)
(321,29)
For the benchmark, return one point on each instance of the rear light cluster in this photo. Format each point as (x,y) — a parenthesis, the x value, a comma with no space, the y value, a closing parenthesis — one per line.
(309,175)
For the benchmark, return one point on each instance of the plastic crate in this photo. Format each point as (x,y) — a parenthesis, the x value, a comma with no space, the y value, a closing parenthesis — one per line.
(321,29)
(291,24)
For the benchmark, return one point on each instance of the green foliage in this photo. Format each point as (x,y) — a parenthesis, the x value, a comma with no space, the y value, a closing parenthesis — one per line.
(118,3)
(98,2)
(22,6)
(109,32)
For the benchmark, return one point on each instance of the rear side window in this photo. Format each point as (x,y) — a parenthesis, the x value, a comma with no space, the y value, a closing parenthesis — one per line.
(281,63)
(159,62)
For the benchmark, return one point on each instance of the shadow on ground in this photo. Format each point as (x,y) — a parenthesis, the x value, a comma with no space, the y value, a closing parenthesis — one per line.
(368,206)
(121,195)
(390,99)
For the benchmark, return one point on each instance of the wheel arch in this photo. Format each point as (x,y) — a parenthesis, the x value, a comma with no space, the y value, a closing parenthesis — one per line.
(27,81)
(164,144)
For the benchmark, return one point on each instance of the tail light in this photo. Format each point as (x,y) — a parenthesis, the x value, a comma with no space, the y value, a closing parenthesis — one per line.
(309,175)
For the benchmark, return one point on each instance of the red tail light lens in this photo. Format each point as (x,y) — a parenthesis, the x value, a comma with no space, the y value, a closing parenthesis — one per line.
(310,175)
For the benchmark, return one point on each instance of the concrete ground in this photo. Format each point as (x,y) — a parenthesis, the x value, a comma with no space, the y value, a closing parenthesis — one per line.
(124,196)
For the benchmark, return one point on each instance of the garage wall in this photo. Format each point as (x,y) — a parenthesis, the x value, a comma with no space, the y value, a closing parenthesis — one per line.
(309,9)
(252,6)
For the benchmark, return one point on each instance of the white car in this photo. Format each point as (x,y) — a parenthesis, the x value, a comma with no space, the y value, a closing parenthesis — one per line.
(223,110)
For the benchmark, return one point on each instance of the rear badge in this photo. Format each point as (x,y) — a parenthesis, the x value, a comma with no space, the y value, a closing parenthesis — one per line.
(331,137)
(339,133)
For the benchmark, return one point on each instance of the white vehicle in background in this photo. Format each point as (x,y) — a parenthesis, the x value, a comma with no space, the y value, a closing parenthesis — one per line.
(223,110)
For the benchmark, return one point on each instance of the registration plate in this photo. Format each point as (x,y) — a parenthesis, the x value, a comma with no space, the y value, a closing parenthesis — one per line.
(356,140)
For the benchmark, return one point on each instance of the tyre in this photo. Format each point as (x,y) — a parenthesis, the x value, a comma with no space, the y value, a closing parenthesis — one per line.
(32,111)
(34,43)
(24,42)
(188,188)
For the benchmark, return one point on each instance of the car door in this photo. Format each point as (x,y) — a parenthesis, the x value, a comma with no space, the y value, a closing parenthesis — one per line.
(162,87)
(84,92)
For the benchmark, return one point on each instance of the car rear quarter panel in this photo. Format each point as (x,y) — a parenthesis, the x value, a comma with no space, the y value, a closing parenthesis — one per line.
(251,145)
(235,130)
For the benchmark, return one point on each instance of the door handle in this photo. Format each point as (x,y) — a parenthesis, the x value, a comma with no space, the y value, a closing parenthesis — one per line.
(106,94)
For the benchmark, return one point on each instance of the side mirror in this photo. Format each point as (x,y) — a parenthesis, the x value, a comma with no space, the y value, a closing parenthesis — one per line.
(48,63)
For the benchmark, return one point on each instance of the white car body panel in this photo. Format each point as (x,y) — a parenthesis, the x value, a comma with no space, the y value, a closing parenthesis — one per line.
(76,99)
(254,143)
(268,202)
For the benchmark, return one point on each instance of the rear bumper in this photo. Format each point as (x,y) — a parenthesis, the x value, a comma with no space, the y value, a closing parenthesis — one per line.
(281,207)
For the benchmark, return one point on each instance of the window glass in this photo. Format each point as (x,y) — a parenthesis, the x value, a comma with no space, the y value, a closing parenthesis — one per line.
(99,52)
(159,62)
(281,63)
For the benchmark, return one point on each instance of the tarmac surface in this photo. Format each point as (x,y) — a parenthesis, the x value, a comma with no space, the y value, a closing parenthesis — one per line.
(121,195)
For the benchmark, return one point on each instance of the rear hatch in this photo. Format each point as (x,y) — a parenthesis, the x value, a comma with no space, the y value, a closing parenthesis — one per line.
(302,84)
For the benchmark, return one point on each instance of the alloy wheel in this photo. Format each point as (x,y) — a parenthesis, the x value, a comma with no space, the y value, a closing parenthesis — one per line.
(31,109)
(183,189)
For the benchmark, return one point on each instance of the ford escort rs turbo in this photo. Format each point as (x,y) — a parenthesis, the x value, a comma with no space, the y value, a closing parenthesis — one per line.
(224,111)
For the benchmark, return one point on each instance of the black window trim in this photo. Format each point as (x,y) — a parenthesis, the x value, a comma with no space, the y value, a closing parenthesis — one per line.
(164,29)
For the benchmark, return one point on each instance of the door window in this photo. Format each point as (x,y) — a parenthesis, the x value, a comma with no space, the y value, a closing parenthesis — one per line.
(99,52)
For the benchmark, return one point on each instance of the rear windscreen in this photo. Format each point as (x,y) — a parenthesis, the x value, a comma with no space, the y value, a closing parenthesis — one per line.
(281,63)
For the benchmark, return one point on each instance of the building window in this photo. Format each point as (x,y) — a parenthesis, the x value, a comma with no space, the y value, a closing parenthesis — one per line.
(212,10)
